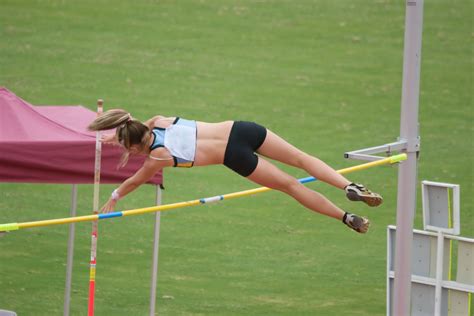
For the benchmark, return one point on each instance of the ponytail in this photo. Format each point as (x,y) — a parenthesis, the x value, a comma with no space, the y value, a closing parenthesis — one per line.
(110,119)
(128,132)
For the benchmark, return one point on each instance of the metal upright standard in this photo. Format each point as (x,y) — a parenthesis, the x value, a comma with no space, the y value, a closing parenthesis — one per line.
(408,143)
(407,173)
(95,228)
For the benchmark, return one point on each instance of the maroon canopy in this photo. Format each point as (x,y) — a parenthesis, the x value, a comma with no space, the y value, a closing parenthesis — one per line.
(50,144)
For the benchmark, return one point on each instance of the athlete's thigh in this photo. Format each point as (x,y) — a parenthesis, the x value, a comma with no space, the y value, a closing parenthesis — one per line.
(275,147)
(267,174)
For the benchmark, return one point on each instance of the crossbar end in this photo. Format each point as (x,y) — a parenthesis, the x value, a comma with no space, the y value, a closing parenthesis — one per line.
(9,227)
(398,158)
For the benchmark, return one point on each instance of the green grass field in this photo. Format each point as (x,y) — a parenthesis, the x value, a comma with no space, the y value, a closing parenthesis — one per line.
(325,75)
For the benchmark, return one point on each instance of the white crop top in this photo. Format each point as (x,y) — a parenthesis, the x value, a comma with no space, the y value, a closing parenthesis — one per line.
(179,139)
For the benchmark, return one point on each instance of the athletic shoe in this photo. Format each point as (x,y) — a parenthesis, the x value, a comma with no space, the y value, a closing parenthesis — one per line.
(357,223)
(357,192)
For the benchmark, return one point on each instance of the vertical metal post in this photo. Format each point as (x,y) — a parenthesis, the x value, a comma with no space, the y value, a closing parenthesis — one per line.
(439,273)
(70,252)
(95,224)
(156,242)
(407,174)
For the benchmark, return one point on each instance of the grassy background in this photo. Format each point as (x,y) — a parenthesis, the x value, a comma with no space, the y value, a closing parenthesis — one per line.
(326,75)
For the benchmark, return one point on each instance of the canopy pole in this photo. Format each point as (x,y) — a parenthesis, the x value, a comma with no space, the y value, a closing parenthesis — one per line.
(156,243)
(70,253)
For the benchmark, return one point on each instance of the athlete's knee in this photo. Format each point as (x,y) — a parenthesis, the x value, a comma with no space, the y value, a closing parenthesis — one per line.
(302,159)
(288,184)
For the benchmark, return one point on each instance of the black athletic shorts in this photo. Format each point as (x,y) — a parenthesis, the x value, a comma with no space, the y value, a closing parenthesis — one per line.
(244,139)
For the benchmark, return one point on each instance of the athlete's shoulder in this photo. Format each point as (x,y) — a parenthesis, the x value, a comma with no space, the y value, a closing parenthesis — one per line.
(159,121)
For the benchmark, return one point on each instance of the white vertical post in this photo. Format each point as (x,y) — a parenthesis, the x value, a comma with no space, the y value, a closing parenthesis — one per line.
(389,261)
(70,252)
(407,174)
(156,242)
(95,224)
(439,273)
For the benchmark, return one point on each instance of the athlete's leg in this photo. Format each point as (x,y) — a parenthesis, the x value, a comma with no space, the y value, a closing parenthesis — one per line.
(269,175)
(276,148)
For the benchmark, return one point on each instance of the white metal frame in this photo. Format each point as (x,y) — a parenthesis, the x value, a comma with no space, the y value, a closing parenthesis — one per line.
(437,281)
(455,230)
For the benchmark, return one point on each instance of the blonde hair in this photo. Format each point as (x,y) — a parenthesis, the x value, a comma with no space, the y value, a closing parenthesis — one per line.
(128,131)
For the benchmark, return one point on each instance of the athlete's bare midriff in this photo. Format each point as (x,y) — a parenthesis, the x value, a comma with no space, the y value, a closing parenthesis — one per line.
(211,143)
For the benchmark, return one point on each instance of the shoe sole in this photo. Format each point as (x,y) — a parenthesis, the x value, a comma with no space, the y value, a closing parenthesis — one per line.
(372,200)
(364,228)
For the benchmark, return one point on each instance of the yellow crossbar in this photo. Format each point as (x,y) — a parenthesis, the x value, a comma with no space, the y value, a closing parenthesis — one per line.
(166,207)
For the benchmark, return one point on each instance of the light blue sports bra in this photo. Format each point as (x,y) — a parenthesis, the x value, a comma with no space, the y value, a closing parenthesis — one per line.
(179,139)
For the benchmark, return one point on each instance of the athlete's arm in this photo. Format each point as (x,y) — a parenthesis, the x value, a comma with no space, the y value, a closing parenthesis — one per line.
(145,173)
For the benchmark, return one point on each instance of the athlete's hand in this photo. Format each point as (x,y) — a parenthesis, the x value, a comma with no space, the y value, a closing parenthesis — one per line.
(109,206)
